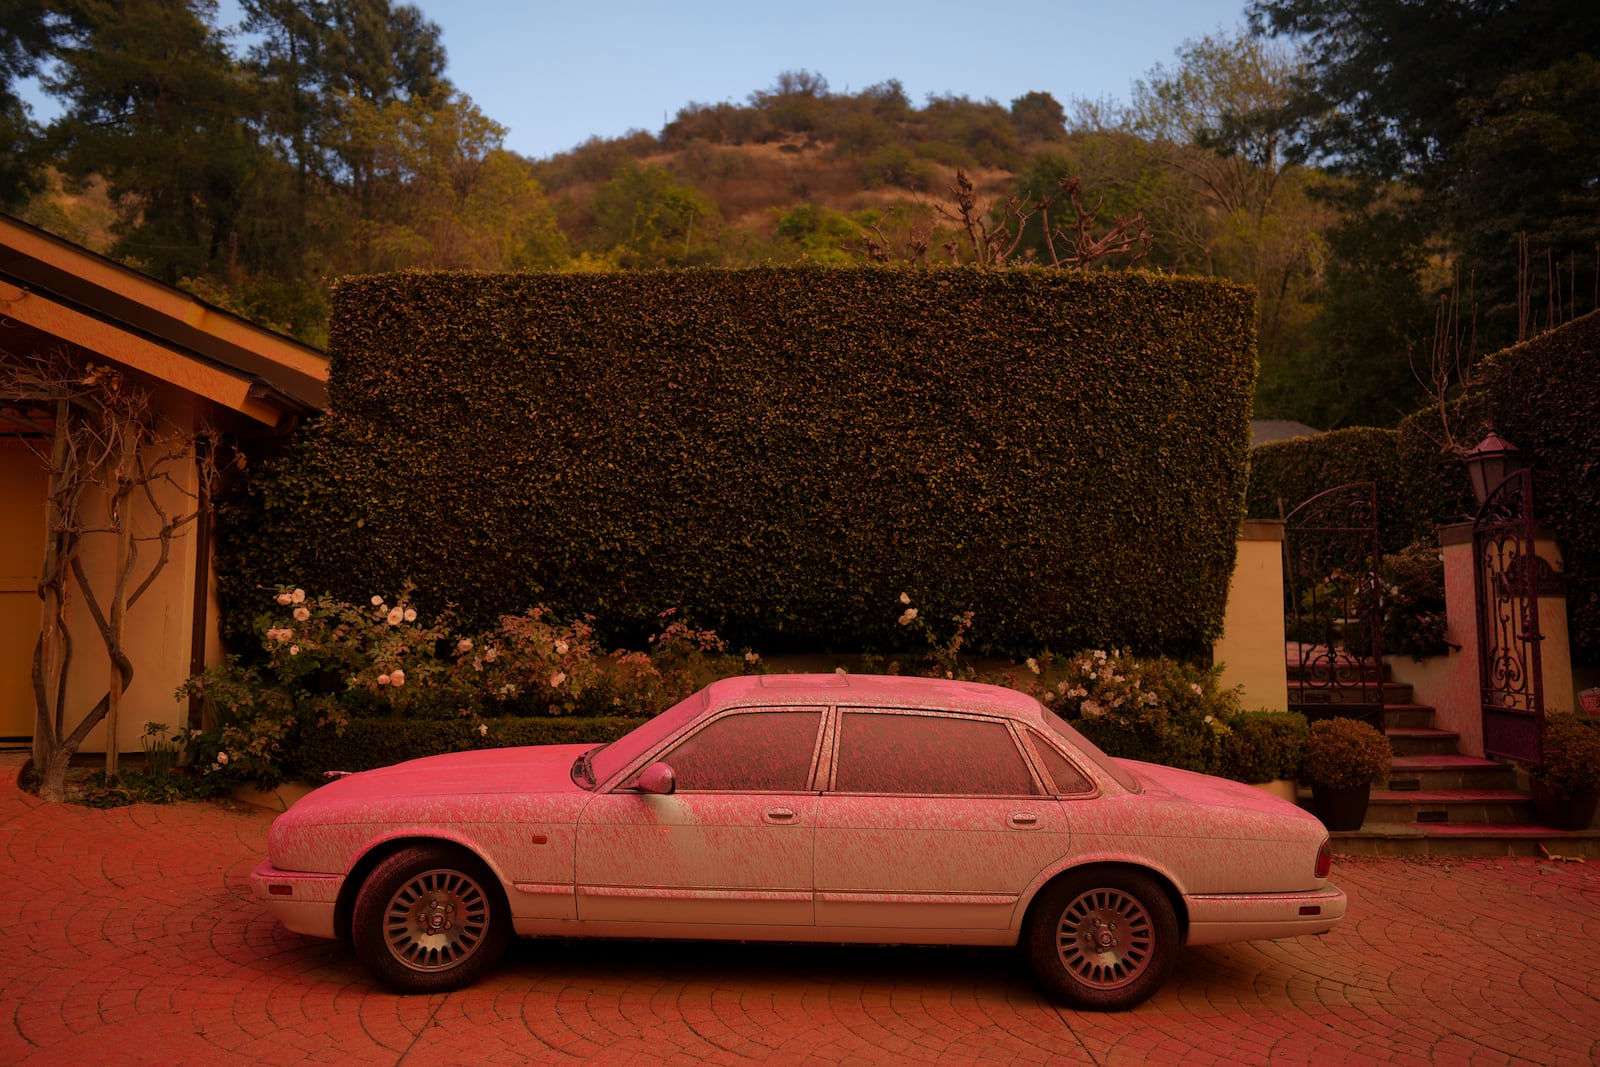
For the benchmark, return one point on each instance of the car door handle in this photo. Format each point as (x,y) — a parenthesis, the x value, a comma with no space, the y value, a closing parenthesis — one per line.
(1024,818)
(780,815)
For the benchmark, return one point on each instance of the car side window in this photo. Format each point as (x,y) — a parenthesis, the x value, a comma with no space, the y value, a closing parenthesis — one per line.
(753,751)
(928,755)
(1068,779)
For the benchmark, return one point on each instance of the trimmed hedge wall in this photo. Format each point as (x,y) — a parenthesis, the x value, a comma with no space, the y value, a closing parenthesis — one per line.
(367,743)
(779,452)
(1542,395)
(1288,473)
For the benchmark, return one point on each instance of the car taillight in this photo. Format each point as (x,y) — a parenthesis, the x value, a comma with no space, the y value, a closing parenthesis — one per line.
(1325,858)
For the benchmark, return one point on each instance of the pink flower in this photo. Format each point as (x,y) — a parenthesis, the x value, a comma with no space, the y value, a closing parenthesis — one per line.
(377,601)
(907,615)
(383,679)
(285,598)
(294,650)
(557,678)
(397,678)
(411,615)
(298,596)
(464,645)
(561,648)
(222,757)
(905,598)
(396,616)
(302,614)
(483,729)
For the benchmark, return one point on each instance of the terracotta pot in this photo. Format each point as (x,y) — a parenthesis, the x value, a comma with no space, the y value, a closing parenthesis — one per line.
(1341,809)
(1575,812)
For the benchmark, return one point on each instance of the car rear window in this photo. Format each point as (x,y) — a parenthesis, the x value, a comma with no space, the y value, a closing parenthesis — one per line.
(923,755)
(1090,750)
(1068,779)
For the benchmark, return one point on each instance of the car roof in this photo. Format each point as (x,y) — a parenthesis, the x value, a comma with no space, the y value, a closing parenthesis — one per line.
(873,690)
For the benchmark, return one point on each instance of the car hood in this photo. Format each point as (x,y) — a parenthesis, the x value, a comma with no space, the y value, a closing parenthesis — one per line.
(536,769)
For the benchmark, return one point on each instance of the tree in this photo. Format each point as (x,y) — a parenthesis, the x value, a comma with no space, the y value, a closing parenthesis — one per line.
(116,468)
(155,105)
(27,33)
(1487,107)
(1220,120)
(647,219)
(1039,117)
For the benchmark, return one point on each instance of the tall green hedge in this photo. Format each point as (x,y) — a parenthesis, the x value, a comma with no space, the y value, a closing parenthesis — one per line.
(1542,395)
(779,452)
(1285,474)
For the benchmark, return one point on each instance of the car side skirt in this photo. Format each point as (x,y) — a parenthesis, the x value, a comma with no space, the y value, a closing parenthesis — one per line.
(828,935)
(1215,919)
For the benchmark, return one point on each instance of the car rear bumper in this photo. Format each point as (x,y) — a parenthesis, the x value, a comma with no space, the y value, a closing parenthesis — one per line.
(303,902)
(1214,919)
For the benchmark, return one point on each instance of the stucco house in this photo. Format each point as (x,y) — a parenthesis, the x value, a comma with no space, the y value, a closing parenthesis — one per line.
(202,366)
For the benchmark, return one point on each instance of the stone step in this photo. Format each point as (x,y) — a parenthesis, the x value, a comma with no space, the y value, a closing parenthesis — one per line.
(1330,695)
(1415,741)
(1465,839)
(1453,806)
(1451,771)
(1407,715)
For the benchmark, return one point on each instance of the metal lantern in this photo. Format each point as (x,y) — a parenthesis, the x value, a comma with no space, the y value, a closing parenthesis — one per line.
(1490,463)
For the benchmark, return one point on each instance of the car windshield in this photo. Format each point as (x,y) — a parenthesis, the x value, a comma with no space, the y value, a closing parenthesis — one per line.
(1124,777)
(607,760)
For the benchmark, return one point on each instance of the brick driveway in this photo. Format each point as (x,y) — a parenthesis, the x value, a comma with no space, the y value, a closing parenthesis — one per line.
(134,941)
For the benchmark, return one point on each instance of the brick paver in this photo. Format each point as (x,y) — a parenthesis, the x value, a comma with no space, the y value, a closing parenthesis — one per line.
(132,939)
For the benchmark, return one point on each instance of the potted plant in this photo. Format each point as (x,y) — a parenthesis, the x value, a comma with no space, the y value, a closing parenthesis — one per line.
(1566,790)
(1343,758)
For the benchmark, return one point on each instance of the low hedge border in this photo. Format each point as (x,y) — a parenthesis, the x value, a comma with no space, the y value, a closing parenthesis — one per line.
(365,744)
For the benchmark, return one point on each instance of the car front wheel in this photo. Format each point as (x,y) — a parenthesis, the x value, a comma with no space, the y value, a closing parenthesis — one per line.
(428,920)
(1102,940)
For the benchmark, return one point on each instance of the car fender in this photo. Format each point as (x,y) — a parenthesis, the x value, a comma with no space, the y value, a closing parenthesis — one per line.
(1101,856)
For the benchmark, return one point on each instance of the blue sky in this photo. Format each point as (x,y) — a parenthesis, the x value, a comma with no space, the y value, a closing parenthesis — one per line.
(557,73)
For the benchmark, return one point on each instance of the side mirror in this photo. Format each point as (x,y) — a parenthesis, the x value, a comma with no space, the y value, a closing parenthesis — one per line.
(656,778)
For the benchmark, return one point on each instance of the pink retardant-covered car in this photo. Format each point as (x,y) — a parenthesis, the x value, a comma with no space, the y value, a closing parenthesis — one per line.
(804,808)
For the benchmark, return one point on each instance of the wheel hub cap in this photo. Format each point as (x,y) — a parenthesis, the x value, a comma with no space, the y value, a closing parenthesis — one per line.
(436,921)
(1105,939)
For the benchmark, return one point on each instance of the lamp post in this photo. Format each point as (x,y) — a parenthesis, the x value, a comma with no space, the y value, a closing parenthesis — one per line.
(1490,463)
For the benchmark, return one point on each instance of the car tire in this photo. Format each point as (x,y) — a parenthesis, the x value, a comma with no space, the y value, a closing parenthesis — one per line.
(1102,940)
(430,919)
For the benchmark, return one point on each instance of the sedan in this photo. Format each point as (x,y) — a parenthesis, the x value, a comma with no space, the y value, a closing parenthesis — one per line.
(804,808)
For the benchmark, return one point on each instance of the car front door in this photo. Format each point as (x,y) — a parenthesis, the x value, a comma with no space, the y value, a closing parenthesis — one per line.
(933,821)
(731,846)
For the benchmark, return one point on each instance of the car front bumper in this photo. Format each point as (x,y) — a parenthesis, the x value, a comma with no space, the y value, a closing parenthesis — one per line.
(1218,918)
(303,902)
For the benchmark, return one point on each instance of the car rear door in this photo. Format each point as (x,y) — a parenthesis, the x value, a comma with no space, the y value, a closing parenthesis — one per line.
(931,821)
(731,846)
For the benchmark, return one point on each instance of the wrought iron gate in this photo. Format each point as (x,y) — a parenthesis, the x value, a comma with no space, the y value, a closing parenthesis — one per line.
(1333,614)
(1506,578)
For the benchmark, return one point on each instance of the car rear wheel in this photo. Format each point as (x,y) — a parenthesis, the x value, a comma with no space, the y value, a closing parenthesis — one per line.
(1103,939)
(429,919)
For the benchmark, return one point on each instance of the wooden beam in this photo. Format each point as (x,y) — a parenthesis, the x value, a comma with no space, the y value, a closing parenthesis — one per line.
(118,345)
